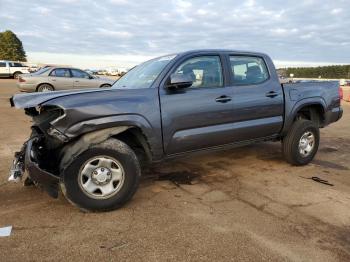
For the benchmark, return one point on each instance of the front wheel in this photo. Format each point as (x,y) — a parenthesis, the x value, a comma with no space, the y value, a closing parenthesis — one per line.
(102,178)
(301,143)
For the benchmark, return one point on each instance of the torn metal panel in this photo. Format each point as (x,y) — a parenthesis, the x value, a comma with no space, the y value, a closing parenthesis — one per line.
(85,142)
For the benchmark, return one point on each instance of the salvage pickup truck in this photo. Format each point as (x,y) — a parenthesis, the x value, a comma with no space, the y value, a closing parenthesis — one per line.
(93,143)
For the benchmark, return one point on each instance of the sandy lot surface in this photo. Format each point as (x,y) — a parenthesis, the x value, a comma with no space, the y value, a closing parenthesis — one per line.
(243,204)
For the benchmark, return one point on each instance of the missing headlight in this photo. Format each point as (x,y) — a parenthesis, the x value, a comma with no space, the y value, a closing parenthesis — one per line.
(57,134)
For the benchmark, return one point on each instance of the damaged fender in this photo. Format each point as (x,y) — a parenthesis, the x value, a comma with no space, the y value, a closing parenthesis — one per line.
(72,150)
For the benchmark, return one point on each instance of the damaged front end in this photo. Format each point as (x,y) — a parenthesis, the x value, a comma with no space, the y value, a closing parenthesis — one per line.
(40,155)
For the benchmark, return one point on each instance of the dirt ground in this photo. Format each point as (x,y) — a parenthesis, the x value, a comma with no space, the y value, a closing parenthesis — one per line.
(243,204)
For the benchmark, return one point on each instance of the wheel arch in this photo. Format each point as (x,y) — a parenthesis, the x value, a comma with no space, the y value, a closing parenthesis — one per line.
(316,106)
(44,83)
(130,135)
(313,111)
(16,72)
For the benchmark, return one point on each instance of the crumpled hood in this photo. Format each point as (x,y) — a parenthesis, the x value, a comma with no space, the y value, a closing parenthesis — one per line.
(36,99)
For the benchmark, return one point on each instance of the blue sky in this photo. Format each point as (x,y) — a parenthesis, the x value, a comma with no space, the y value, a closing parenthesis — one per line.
(90,33)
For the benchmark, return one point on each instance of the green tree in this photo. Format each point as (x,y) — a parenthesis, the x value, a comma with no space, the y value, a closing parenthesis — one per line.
(11,47)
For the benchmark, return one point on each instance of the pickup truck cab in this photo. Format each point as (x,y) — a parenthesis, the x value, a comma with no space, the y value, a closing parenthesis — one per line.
(12,69)
(93,143)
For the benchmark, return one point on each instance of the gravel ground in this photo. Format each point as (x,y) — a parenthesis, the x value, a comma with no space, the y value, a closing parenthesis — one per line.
(243,204)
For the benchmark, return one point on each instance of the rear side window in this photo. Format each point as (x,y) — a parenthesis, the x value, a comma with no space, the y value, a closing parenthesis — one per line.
(248,70)
(205,71)
(79,74)
(60,72)
(2,64)
(13,64)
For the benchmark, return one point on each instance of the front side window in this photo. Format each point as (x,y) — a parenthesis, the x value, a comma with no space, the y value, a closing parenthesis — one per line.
(248,70)
(2,64)
(60,72)
(205,71)
(17,65)
(79,74)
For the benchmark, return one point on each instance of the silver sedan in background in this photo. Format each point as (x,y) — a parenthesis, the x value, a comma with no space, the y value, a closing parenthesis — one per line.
(60,78)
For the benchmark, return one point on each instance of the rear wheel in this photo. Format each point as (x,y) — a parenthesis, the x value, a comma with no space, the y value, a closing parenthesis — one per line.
(102,178)
(301,143)
(45,88)
(16,75)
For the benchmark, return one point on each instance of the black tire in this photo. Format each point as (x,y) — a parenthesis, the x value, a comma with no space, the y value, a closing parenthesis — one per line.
(105,86)
(16,75)
(290,143)
(45,88)
(113,148)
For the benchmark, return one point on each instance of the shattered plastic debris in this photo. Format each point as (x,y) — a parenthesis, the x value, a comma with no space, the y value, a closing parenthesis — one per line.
(5,231)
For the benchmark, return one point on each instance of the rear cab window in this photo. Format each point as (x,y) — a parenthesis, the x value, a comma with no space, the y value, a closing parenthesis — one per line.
(248,70)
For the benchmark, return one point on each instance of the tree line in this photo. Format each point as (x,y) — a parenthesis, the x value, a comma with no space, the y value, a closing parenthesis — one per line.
(332,72)
(11,47)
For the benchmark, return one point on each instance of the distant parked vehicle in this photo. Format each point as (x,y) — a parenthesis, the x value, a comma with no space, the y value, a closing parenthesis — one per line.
(60,78)
(12,69)
(33,69)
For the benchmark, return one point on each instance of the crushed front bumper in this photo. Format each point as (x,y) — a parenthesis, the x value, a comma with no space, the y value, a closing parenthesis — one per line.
(26,160)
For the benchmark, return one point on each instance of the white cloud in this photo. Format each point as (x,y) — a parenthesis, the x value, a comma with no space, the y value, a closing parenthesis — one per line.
(249,3)
(336,11)
(202,12)
(42,10)
(290,31)
(119,2)
(183,4)
(119,34)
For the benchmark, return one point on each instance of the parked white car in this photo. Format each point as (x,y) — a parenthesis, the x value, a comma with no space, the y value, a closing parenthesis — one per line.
(12,69)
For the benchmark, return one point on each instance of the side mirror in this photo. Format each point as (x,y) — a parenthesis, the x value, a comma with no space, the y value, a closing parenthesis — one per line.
(180,81)
(91,77)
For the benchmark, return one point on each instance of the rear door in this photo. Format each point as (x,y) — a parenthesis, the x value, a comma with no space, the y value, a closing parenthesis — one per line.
(82,79)
(4,69)
(257,98)
(199,116)
(60,79)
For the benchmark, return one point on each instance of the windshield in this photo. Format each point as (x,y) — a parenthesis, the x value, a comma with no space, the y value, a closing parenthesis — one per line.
(41,71)
(143,75)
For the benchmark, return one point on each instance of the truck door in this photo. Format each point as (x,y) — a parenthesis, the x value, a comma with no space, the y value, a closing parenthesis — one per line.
(4,69)
(257,98)
(199,116)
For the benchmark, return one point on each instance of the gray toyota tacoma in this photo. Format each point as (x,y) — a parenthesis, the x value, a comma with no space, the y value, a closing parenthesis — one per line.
(93,143)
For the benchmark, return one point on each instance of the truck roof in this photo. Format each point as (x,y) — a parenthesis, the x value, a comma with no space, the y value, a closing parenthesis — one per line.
(222,51)
(10,61)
